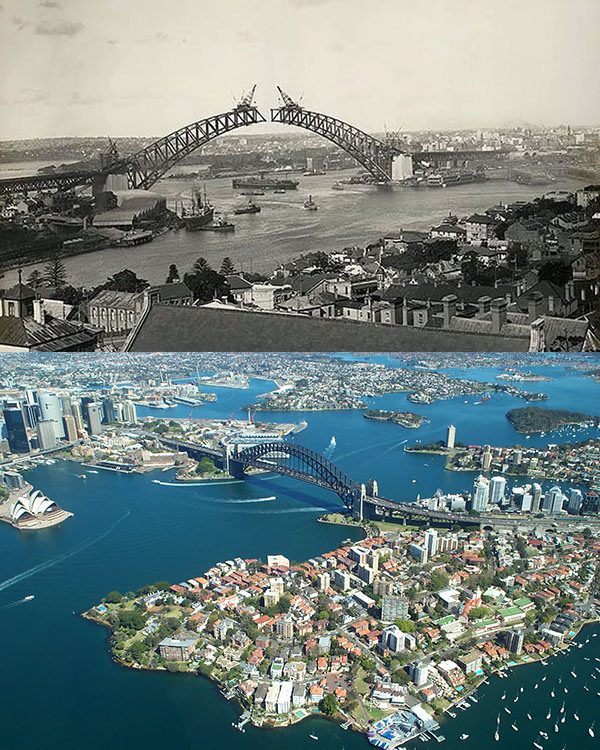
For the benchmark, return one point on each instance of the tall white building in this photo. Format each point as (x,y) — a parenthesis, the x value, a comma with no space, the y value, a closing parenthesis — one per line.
(497,490)
(431,541)
(49,404)
(129,412)
(481,494)
(402,167)
(46,435)
(451,436)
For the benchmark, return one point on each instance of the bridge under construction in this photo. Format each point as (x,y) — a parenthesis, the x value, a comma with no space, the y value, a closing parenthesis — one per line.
(146,166)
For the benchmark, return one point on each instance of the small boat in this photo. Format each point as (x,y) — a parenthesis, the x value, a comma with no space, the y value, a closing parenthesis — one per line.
(29,598)
(539,747)
(515,727)
(516,699)
(543,734)
(548,714)
(507,710)
(573,674)
(555,727)
(566,690)
(528,716)
(521,689)
(503,696)
(576,717)
(340,186)
(464,736)
(497,735)
(309,204)
(218,225)
(313,736)
(250,208)
(552,694)
(280,192)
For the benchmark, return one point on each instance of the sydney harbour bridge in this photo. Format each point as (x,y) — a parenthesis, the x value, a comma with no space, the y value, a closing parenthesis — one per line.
(361,500)
(145,167)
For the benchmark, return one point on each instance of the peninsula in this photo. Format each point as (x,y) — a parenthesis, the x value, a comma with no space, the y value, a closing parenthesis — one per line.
(530,419)
(386,634)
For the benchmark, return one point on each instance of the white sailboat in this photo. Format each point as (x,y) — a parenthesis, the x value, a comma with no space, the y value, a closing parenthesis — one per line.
(591,729)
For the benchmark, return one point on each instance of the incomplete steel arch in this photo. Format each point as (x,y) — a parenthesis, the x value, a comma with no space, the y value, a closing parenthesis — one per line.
(375,156)
(148,165)
(299,463)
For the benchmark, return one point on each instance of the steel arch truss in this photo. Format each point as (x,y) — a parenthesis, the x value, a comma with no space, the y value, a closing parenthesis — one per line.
(374,155)
(147,166)
(304,464)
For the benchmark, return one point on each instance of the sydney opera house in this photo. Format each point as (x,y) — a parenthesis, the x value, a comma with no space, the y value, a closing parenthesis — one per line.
(33,510)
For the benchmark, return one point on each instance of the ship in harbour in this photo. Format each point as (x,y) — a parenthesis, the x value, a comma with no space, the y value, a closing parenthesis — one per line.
(264,183)
(199,215)
(249,208)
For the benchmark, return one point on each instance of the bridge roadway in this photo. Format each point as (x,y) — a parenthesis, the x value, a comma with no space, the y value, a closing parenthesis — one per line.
(380,508)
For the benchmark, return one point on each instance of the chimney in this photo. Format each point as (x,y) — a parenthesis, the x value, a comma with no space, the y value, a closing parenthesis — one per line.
(449,304)
(483,305)
(537,336)
(38,311)
(551,309)
(534,305)
(498,306)
(404,312)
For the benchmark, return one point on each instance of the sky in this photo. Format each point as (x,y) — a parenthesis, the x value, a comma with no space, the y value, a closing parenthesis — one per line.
(147,67)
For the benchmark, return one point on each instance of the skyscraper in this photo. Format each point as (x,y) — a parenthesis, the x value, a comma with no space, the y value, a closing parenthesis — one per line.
(46,434)
(431,539)
(129,412)
(536,492)
(70,428)
(451,436)
(16,430)
(575,501)
(497,490)
(486,459)
(481,494)
(50,409)
(93,417)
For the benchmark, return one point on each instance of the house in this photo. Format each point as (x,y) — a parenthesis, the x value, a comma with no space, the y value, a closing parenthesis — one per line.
(115,312)
(480,229)
(471,662)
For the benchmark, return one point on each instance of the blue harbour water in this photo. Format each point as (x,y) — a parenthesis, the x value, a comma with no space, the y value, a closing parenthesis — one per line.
(59,688)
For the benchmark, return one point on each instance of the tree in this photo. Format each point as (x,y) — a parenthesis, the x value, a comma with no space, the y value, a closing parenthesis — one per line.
(555,271)
(114,597)
(126,281)
(406,626)
(35,279)
(55,273)
(173,274)
(438,580)
(329,705)
(227,267)
(205,282)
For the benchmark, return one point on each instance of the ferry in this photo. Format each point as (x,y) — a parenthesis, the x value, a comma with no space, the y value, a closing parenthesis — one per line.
(265,183)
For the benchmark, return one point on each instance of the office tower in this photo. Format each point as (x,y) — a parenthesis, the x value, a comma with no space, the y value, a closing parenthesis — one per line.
(497,490)
(431,540)
(93,417)
(65,405)
(129,412)
(70,428)
(78,416)
(31,408)
(548,501)
(536,492)
(451,436)
(393,608)
(526,502)
(50,409)
(16,430)
(108,411)
(481,493)
(575,501)
(46,434)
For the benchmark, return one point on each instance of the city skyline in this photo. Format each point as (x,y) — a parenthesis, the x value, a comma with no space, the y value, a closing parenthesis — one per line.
(116,71)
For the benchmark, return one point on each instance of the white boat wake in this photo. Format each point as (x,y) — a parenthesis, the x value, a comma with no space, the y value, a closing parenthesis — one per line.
(248,500)
(61,558)
(196,484)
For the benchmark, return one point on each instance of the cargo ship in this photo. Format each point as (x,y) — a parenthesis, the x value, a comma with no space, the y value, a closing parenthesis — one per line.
(200,214)
(264,183)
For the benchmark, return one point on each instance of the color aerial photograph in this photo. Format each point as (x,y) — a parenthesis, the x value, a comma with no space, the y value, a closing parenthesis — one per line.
(336,550)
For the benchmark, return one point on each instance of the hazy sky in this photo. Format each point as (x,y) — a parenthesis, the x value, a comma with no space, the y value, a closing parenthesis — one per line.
(146,67)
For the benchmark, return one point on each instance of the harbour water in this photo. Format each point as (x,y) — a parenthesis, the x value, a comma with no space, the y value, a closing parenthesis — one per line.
(282,230)
(61,690)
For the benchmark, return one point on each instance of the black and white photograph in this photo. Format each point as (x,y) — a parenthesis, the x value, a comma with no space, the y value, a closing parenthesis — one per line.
(299,174)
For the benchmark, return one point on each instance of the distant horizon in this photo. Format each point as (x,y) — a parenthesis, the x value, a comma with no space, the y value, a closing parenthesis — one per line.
(126,66)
